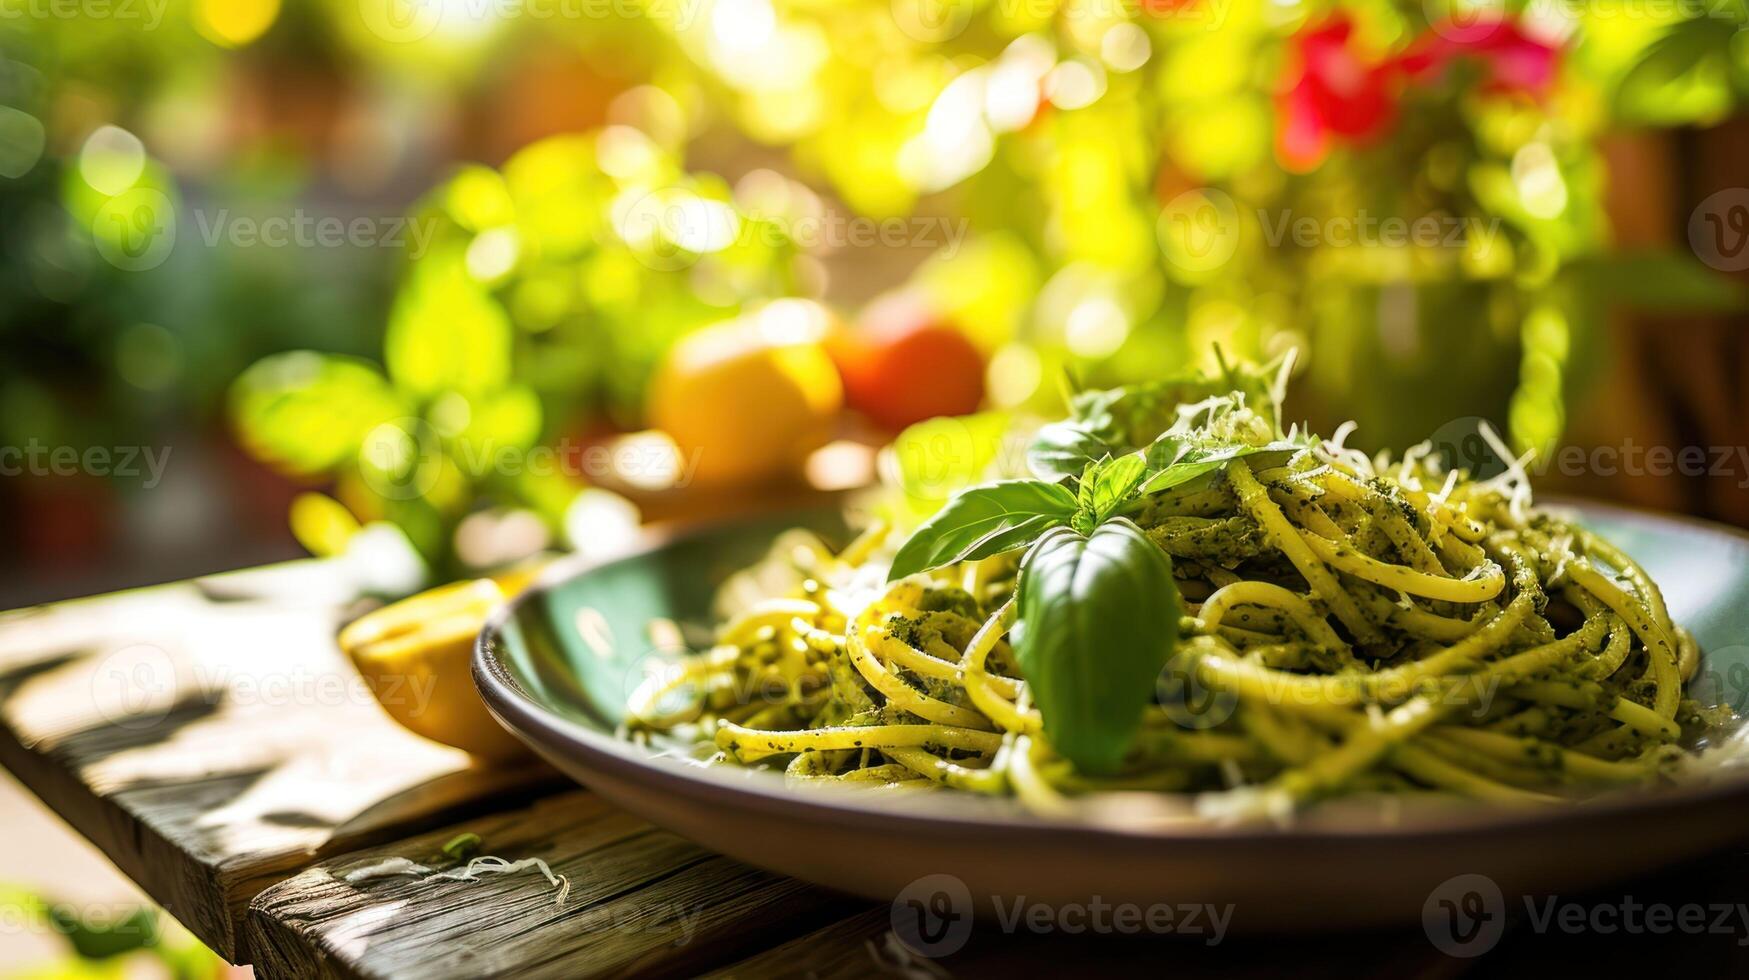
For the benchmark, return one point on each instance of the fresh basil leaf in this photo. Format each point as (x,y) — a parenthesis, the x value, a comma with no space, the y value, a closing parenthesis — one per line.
(1189,462)
(983,521)
(1115,483)
(1099,617)
(1063,449)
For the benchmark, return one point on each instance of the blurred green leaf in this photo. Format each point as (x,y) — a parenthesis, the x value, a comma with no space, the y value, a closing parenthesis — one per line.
(102,940)
(307,412)
(1660,282)
(1683,77)
(511,417)
(446,334)
(501,425)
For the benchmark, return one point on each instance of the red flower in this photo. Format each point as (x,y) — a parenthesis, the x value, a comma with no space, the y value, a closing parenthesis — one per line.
(1331,92)
(1513,60)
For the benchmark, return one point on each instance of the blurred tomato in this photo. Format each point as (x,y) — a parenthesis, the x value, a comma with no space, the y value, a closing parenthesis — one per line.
(903,363)
(743,404)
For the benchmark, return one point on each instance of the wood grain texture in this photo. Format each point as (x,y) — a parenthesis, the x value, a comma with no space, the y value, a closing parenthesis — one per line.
(846,950)
(211,739)
(642,902)
(865,945)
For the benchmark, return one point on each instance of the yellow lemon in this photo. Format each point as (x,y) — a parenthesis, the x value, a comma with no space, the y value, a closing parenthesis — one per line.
(743,404)
(416,657)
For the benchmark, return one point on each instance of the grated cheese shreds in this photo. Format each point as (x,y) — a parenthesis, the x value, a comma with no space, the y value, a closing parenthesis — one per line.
(1515,482)
(489,864)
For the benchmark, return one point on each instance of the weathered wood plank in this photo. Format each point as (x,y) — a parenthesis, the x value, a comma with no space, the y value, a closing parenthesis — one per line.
(865,945)
(211,739)
(642,902)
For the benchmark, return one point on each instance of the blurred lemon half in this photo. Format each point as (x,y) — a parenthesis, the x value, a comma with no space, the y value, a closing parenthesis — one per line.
(416,657)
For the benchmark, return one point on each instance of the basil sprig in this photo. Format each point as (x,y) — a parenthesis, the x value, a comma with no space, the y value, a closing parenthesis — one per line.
(1098,609)
(1008,515)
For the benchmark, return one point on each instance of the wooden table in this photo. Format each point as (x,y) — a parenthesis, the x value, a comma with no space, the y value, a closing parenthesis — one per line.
(213,742)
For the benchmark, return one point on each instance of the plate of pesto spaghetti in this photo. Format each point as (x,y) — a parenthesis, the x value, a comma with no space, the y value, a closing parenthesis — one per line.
(1186,652)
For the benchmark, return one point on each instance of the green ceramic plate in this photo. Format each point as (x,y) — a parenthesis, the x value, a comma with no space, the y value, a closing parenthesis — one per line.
(557,666)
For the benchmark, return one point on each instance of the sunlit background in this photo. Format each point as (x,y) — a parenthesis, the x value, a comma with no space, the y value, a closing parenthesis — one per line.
(468,280)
